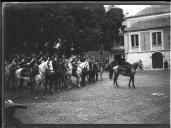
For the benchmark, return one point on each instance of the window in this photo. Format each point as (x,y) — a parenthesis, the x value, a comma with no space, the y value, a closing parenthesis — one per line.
(122,40)
(156,38)
(134,40)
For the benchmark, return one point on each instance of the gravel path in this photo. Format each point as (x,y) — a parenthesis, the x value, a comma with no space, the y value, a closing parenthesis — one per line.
(101,103)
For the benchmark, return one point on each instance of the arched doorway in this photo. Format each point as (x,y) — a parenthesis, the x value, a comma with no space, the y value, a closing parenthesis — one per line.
(157,60)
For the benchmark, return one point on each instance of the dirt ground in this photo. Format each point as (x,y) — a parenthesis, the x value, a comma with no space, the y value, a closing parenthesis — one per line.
(101,103)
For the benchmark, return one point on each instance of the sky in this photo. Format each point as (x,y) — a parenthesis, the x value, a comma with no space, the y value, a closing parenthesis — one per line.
(132,9)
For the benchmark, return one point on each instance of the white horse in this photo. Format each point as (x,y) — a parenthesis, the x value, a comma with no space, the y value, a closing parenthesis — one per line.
(19,79)
(79,71)
(40,77)
(8,73)
(69,71)
(80,68)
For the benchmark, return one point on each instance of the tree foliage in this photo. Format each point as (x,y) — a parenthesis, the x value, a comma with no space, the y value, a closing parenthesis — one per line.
(84,27)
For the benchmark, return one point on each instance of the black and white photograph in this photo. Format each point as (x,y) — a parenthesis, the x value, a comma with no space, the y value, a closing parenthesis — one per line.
(85,63)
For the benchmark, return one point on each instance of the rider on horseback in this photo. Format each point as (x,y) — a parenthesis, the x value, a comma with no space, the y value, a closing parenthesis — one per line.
(125,64)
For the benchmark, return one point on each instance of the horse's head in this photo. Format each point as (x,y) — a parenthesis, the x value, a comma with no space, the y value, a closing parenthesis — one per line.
(140,65)
(87,65)
(50,66)
(13,62)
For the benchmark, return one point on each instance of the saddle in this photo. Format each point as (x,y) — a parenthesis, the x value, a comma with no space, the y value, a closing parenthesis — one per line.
(126,67)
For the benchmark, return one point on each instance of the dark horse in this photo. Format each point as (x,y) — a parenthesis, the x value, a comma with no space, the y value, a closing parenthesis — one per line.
(127,70)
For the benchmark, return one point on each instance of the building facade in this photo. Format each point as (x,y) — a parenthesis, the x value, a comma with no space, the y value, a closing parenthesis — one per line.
(117,50)
(147,37)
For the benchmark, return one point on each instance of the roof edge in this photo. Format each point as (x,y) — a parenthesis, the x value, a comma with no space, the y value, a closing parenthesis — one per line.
(146,15)
(145,29)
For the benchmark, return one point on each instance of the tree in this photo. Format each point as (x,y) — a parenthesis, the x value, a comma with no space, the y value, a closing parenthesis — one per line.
(79,26)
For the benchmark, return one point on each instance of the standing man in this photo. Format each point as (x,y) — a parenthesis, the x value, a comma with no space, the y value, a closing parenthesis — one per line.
(166,65)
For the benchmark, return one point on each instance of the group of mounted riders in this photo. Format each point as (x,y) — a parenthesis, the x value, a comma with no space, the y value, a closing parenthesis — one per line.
(58,72)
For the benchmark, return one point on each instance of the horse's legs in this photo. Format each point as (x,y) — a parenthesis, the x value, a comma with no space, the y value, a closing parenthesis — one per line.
(35,90)
(130,81)
(87,76)
(42,94)
(14,82)
(69,82)
(51,85)
(133,82)
(20,85)
(94,76)
(90,76)
(31,86)
(114,80)
(83,79)
(45,86)
(101,75)
(6,87)
(78,81)
(97,75)
(57,84)
(117,80)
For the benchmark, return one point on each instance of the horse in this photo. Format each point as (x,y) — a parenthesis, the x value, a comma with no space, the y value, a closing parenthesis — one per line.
(81,72)
(93,72)
(22,72)
(100,70)
(69,71)
(39,79)
(58,77)
(8,74)
(110,68)
(127,71)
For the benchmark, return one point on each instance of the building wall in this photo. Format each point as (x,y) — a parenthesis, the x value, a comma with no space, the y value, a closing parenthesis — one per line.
(166,38)
(145,41)
(145,50)
(146,58)
(126,42)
